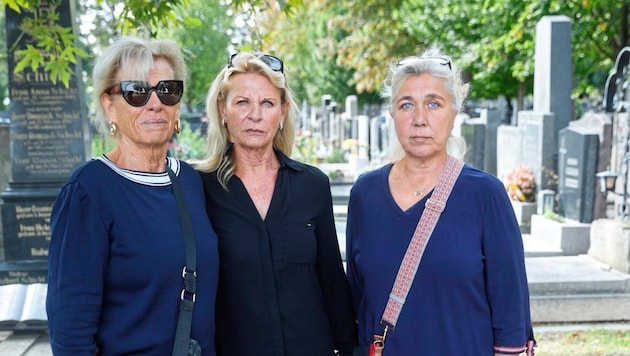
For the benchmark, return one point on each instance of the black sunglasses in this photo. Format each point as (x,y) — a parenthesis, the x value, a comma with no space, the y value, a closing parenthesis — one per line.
(443,60)
(274,63)
(137,93)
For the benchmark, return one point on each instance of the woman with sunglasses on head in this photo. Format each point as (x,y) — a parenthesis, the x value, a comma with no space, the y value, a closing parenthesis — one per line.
(282,288)
(117,250)
(457,287)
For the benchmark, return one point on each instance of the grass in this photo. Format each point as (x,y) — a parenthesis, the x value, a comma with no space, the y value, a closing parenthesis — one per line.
(592,342)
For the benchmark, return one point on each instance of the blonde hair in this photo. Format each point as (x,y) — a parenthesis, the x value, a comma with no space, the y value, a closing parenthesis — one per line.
(439,65)
(218,156)
(135,56)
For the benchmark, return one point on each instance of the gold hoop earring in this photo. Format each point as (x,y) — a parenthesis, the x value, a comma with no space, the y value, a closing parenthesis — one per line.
(113,129)
(177,126)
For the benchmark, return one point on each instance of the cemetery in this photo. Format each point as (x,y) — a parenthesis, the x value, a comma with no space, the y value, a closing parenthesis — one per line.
(567,177)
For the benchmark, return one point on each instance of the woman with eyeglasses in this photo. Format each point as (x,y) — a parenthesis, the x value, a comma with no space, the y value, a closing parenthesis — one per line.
(117,250)
(460,285)
(282,288)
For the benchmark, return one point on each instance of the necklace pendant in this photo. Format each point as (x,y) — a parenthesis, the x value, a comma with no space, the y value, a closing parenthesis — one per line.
(418,192)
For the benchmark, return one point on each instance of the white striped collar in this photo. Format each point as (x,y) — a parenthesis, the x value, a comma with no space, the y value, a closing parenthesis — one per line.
(146,178)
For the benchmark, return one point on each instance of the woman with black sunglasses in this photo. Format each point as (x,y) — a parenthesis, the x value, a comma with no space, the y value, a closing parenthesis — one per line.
(282,288)
(117,252)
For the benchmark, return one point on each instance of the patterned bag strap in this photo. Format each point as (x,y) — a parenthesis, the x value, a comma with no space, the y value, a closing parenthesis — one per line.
(407,271)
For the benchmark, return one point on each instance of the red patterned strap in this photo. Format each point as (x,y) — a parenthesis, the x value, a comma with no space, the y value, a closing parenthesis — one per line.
(409,266)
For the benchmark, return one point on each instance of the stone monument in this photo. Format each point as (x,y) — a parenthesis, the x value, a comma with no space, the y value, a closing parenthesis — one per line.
(577,166)
(610,237)
(47,131)
(552,106)
(553,75)
(492,119)
(5,165)
(473,131)
(600,124)
(537,134)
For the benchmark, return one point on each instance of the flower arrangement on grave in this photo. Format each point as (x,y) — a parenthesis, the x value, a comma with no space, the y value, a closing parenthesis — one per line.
(351,146)
(520,184)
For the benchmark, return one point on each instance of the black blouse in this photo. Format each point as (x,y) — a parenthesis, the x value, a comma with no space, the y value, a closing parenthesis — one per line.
(282,287)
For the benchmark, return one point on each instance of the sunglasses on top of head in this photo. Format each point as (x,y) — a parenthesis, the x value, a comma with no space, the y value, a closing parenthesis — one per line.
(443,60)
(137,93)
(274,63)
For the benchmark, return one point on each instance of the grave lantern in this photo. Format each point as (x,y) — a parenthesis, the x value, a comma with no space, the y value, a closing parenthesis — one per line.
(607,180)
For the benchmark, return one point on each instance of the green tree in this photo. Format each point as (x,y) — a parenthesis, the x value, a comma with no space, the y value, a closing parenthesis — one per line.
(310,52)
(494,40)
(55,47)
(340,48)
(488,39)
(204,38)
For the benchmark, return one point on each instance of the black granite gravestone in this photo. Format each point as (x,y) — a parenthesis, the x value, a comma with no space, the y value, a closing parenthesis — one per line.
(577,165)
(47,133)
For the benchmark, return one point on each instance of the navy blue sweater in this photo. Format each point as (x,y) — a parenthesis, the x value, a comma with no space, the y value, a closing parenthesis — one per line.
(116,259)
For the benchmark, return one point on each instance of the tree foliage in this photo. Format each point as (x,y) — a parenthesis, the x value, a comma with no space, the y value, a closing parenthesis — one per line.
(308,52)
(54,48)
(493,41)
(344,47)
(204,35)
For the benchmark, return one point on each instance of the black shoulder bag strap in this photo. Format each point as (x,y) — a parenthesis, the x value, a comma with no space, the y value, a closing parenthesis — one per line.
(189,272)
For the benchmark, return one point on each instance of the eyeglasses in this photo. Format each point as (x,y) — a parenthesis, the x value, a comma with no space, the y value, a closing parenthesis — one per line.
(274,63)
(443,60)
(137,93)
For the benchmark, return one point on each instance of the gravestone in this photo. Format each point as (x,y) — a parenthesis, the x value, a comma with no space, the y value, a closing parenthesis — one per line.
(358,161)
(610,237)
(537,149)
(473,131)
(616,102)
(619,162)
(457,126)
(47,143)
(492,119)
(508,153)
(349,117)
(577,164)
(599,124)
(378,138)
(614,93)
(324,122)
(552,107)
(363,136)
(553,74)
(5,169)
(5,158)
